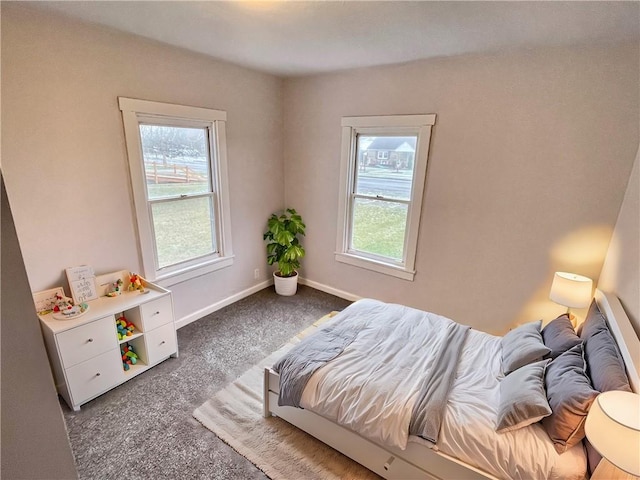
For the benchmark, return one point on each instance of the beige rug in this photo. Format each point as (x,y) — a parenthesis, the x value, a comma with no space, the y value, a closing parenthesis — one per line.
(277,448)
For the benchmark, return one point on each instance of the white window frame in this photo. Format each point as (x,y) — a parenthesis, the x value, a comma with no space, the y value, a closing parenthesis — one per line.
(419,125)
(136,112)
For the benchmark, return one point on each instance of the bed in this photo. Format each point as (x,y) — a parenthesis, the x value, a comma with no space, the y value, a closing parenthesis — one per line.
(376,415)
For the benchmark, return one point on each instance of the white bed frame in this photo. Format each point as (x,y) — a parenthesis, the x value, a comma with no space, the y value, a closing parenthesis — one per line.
(418,461)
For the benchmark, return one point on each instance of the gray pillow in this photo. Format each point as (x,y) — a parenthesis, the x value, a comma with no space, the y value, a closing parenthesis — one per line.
(521,346)
(593,323)
(605,366)
(559,335)
(570,396)
(523,400)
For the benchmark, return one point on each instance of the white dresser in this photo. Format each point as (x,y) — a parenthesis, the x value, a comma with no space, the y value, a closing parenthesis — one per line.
(85,353)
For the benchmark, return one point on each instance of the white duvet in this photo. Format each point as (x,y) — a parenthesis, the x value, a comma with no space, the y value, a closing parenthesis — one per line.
(343,391)
(372,386)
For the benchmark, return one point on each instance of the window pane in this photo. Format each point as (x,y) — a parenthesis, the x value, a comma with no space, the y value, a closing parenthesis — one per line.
(184,229)
(379,227)
(385,165)
(176,160)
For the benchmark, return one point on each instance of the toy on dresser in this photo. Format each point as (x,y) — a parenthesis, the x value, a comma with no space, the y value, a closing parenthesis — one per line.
(135,283)
(115,289)
(64,305)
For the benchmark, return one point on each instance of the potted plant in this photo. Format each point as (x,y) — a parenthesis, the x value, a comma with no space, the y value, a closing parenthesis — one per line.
(283,248)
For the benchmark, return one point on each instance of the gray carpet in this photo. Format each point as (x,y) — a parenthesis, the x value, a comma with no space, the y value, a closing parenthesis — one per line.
(144,428)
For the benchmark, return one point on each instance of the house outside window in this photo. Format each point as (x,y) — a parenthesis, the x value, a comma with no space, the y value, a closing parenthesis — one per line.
(381,195)
(177,160)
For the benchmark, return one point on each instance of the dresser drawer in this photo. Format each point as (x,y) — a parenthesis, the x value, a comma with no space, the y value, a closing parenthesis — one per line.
(161,343)
(95,376)
(156,313)
(87,341)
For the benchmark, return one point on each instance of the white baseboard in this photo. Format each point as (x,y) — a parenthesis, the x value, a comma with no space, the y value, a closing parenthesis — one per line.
(222,303)
(327,289)
(197,315)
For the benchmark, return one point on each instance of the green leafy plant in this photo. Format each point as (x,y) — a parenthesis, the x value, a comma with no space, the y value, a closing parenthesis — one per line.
(283,246)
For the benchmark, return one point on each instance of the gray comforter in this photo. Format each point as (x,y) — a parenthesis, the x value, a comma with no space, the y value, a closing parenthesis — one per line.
(394,367)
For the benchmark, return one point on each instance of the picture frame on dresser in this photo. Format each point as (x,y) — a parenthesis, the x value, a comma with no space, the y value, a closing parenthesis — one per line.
(44,301)
(85,353)
(82,283)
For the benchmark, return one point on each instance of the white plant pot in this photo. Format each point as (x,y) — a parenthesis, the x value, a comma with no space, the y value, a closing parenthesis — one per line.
(286,286)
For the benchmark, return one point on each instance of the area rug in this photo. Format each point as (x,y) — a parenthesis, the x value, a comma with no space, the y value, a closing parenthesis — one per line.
(279,449)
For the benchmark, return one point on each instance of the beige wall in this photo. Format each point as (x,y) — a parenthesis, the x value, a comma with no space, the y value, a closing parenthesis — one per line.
(530,156)
(64,155)
(621,270)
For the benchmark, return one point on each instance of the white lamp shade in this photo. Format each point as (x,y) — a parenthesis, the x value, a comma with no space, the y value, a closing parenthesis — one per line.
(571,290)
(613,428)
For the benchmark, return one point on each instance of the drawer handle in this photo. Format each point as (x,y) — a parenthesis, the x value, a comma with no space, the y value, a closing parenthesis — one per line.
(98,374)
(157,313)
(389,462)
(162,342)
(90,340)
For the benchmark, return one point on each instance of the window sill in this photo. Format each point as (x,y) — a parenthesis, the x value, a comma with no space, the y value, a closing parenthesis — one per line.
(376,266)
(179,276)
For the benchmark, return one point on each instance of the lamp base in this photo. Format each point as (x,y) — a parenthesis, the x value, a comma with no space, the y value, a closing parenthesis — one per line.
(608,471)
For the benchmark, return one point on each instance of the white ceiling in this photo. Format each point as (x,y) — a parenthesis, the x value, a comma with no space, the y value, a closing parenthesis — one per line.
(291,38)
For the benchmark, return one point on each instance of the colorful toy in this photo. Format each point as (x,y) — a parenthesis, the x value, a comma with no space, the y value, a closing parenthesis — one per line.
(116,288)
(135,283)
(62,303)
(124,328)
(129,356)
(65,306)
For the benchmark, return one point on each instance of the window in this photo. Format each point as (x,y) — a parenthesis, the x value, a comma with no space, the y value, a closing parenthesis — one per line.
(380,201)
(178,164)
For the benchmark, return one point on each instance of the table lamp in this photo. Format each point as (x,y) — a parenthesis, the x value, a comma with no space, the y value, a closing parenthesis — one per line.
(572,291)
(613,428)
